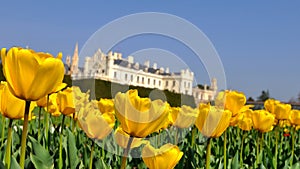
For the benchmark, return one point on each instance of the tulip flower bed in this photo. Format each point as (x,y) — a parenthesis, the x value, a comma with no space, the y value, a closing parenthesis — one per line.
(45,124)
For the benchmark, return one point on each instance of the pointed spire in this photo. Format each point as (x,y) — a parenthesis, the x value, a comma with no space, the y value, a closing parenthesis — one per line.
(75,55)
(74,67)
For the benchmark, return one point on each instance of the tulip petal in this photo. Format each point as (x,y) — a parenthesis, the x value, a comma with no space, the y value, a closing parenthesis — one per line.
(41,86)
(20,66)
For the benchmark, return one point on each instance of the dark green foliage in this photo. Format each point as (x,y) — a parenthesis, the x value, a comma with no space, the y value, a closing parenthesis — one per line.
(104,89)
(265,95)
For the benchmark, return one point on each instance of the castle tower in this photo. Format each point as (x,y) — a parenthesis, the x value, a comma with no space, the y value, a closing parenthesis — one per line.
(74,67)
(214,84)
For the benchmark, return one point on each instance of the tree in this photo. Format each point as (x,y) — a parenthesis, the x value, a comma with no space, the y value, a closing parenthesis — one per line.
(250,99)
(265,95)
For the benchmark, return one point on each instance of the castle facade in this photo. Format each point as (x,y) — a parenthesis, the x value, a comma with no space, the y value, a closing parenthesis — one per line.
(114,68)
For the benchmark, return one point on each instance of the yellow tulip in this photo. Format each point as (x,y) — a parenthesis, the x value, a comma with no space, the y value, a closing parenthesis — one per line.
(245,124)
(283,123)
(140,117)
(31,75)
(66,102)
(186,117)
(11,106)
(52,105)
(262,120)
(231,100)
(122,139)
(212,121)
(166,157)
(295,117)
(80,98)
(246,120)
(235,119)
(173,113)
(2,85)
(270,105)
(42,102)
(282,111)
(96,125)
(106,106)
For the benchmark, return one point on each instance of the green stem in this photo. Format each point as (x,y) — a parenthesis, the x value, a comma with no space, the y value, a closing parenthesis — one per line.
(207,162)
(60,160)
(46,123)
(3,129)
(293,146)
(39,122)
(103,152)
(242,148)
(225,150)
(24,135)
(126,152)
(176,135)
(91,157)
(261,145)
(74,122)
(276,147)
(8,145)
(257,152)
(193,136)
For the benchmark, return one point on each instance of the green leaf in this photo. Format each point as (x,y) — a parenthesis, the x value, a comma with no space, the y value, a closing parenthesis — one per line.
(72,150)
(262,166)
(39,163)
(14,164)
(235,161)
(2,165)
(41,155)
(220,165)
(101,164)
(296,166)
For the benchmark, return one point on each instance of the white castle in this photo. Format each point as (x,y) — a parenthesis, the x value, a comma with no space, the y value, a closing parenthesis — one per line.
(114,68)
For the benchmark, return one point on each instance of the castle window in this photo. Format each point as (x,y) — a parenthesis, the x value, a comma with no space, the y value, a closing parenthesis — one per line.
(115,74)
(174,83)
(184,84)
(167,83)
(138,79)
(188,84)
(143,80)
(154,82)
(131,78)
(148,81)
(159,83)
(126,76)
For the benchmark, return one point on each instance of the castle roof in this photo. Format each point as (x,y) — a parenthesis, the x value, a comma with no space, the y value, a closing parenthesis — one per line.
(125,63)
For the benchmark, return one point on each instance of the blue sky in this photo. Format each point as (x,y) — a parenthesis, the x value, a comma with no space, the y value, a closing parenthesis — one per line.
(258,41)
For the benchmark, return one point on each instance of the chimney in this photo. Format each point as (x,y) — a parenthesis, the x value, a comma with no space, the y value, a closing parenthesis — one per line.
(167,70)
(161,70)
(130,59)
(119,55)
(136,65)
(147,63)
(154,66)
